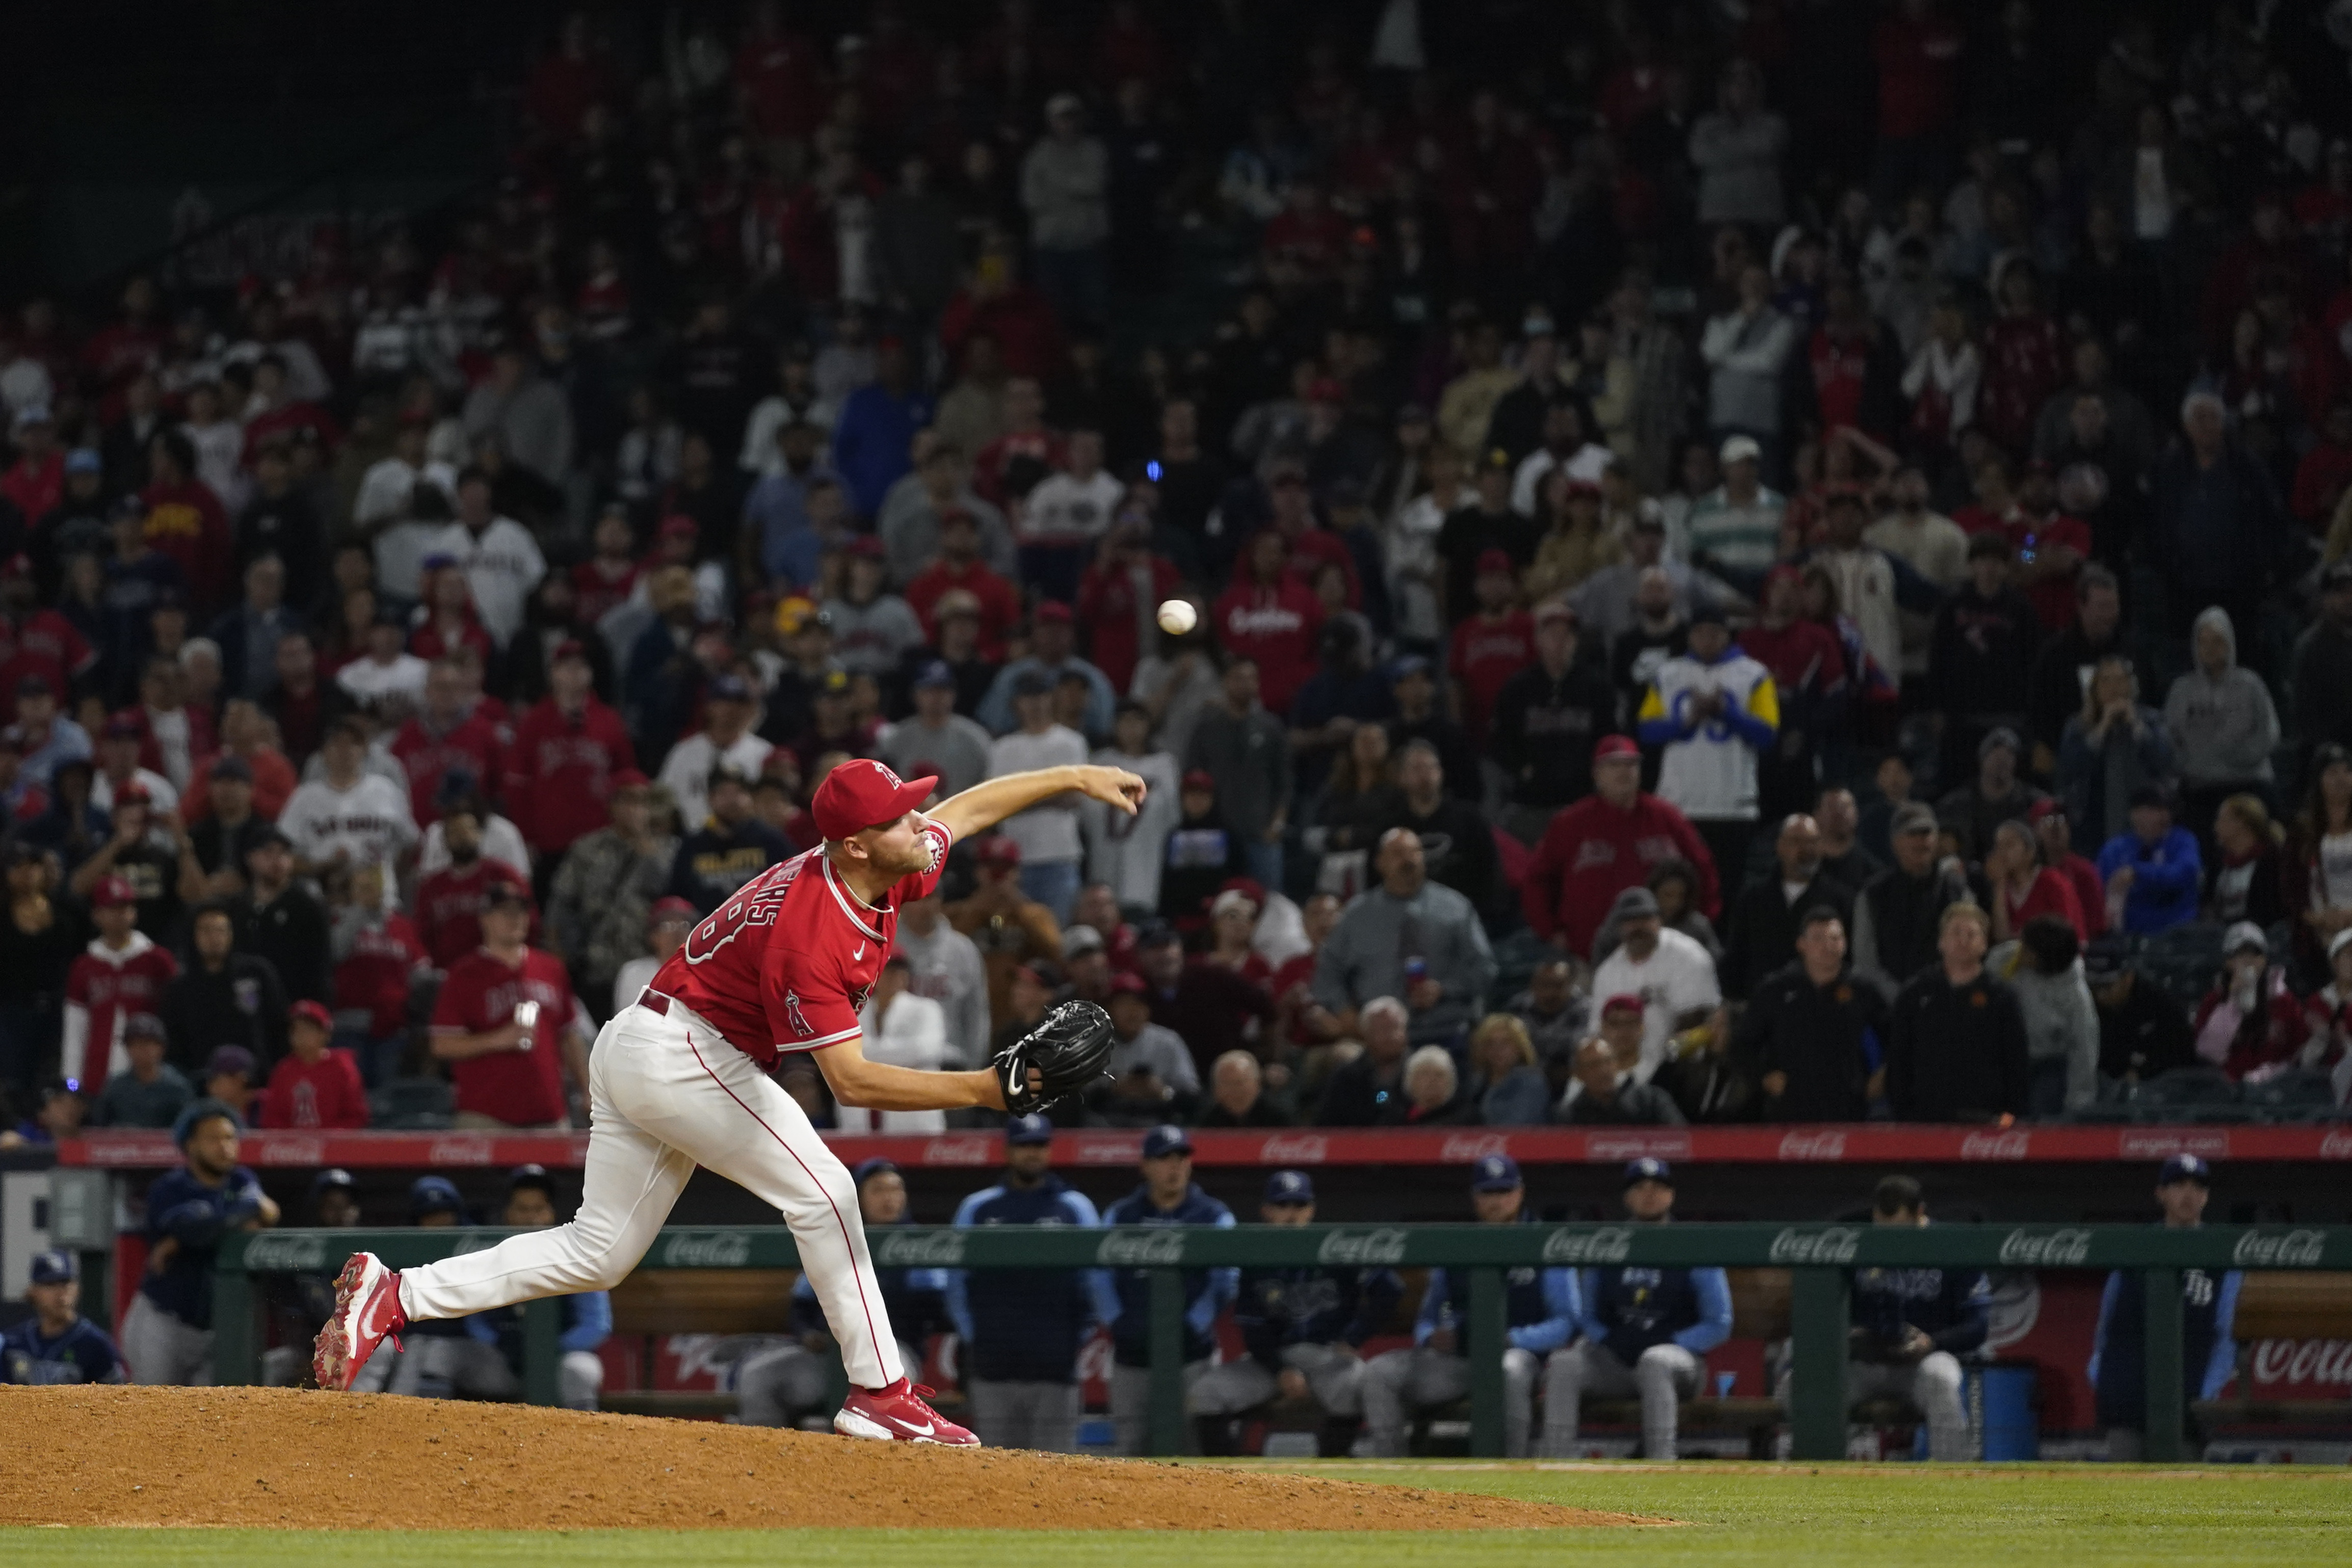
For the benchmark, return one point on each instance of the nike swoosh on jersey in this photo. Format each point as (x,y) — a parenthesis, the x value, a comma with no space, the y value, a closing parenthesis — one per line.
(859,953)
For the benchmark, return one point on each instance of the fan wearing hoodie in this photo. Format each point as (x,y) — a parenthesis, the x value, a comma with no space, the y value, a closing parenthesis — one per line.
(2223,724)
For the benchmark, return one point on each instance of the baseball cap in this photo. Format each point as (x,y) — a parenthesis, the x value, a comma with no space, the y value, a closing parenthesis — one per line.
(1621,1001)
(2339,942)
(1167,1140)
(671,907)
(2185,1167)
(84,460)
(1912,817)
(863,794)
(727,689)
(570,648)
(1616,746)
(1634,903)
(308,1011)
(505,894)
(1289,1187)
(1027,1131)
(196,1113)
(1739,449)
(678,526)
(935,673)
(2042,811)
(1409,665)
(1127,983)
(35,686)
(1649,1167)
(1989,545)
(1199,778)
(1495,561)
(2148,796)
(231,766)
(628,779)
(145,1026)
(1493,1173)
(2244,936)
(864,547)
(1556,610)
(232,1061)
(1054,610)
(34,413)
(332,1178)
(271,837)
(53,1267)
(134,794)
(865,1170)
(2000,735)
(1081,939)
(1707,612)
(998,848)
(1032,683)
(530,1174)
(435,1195)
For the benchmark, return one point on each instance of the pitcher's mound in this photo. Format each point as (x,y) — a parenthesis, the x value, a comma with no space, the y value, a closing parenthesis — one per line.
(267,1457)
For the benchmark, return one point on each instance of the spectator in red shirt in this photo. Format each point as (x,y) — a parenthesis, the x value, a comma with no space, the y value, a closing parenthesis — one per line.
(2022,887)
(779,76)
(604,580)
(1605,843)
(450,622)
(1918,54)
(379,959)
(2024,359)
(300,704)
(313,1086)
(35,482)
(2047,817)
(996,302)
(1312,545)
(1491,646)
(508,1025)
(185,521)
(449,902)
(2050,547)
(1271,617)
(35,641)
(446,734)
(565,84)
(1120,594)
(570,753)
(959,566)
(1010,465)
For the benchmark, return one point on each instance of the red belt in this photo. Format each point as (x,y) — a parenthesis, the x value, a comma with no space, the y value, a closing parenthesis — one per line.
(652,1001)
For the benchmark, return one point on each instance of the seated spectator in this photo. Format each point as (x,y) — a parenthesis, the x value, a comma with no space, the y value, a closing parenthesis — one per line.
(1677,884)
(1956,1041)
(1896,919)
(149,1093)
(1505,1083)
(1811,1031)
(1671,974)
(2142,1031)
(2022,887)
(56,1345)
(2327,1015)
(1052,644)
(2115,745)
(1644,1331)
(1539,1317)
(2223,723)
(2153,874)
(2062,1024)
(1408,938)
(1153,1079)
(2056,836)
(1610,1096)
(1237,1096)
(2118,1366)
(1555,1010)
(1997,795)
(2250,1025)
(1761,927)
(2094,633)
(1361,1089)
(314,1086)
(729,708)
(2320,872)
(2247,878)
(1052,855)
(1432,1094)
(1456,840)
(872,628)
(1605,845)
(1344,694)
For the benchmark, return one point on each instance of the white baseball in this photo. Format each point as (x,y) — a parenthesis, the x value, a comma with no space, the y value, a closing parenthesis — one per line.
(1177,617)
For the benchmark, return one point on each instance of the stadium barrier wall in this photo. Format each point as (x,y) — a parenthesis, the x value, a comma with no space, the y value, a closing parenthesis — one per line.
(1819,1257)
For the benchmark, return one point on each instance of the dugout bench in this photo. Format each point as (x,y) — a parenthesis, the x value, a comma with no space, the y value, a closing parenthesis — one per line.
(1819,1259)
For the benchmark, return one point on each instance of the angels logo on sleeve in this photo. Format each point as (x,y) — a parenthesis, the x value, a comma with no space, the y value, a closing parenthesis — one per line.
(793,1012)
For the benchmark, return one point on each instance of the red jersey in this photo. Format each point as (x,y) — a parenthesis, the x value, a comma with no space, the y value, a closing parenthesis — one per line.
(558,781)
(990,468)
(449,907)
(472,745)
(185,522)
(374,974)
(785,964)
(103,989)
(429,642)
(999,602)
(1484,654)
(1275,626)
(1593,851)
(35,487)
(43,643)
(600,586)
(520,1087)
(1314,549)
(322,1094)
(2053,598)
(1114,618)
(2049,893)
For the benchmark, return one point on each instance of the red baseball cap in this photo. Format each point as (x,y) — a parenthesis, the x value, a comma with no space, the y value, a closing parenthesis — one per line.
(664,908)
(1127,983)
(1495,561)
(570,648)
(864,794)
(134,794)
(112,891)
(308,1011)
(678,526)
(1623,1001)
(628,779)
(1199,778)
(2044,809)
(1616,746)
(1054,610)
(998,850)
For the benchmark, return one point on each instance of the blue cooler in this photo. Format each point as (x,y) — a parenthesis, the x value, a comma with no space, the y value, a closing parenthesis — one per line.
(2002,1404)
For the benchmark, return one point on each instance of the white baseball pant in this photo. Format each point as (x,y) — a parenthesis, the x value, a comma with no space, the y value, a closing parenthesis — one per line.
(1662,1376)
(667,1093)
(1934,1386)
(1404,1382)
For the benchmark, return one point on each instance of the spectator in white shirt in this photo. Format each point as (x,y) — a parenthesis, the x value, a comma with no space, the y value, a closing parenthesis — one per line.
(387,678)
(351,816)
(1065,516)
(1566,445)
(905,1029)
(1670,972)
(1048,832)
(387,487)
(948,969)
(219,442)
(499,557)
(666,924)
(726,738)
(1127,850)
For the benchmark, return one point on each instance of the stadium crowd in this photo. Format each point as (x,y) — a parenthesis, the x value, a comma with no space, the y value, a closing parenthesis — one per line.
(1741,562)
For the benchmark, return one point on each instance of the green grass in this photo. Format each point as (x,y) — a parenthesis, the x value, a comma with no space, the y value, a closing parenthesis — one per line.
(2006,1516)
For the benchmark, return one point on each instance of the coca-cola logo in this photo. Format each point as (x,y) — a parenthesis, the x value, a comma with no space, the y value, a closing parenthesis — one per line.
(707,1249)
(1835,1245)
(937,1250)
(2013,1145)
(2303,1360)
(2295,1249)
(1468,1148)
(2337,1145)
(1813,1146)
(1109,1151)
(1362,1247)
(2153,1143)
(1155,1249)
(292,1149)
(460,1149)
(1293,1149)
(285,1252)
(2046,1249)
(1611,1147)
(1610,1244)
(965,1149)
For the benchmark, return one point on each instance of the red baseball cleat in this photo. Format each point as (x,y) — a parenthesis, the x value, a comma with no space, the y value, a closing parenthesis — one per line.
(898,1415)
(367,1312)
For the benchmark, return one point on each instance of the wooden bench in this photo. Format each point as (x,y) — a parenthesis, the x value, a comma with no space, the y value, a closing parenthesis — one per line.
(2282,1306)
(658,1302)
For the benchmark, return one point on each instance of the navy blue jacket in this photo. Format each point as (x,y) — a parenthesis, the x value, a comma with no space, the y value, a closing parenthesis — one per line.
(2118,1370)
(83,1354)
(1952,1307)
(196,1217)
(1278,1307)
(1024,1326)
(1126,1293)
(1628,1310)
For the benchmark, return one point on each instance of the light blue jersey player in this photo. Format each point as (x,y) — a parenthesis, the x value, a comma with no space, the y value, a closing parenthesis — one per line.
(56,1344)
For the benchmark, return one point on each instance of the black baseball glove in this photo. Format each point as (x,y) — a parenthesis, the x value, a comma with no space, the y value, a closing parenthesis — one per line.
(1068,1049)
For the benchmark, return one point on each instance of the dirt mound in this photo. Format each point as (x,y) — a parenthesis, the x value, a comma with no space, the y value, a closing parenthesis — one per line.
(266,1456)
